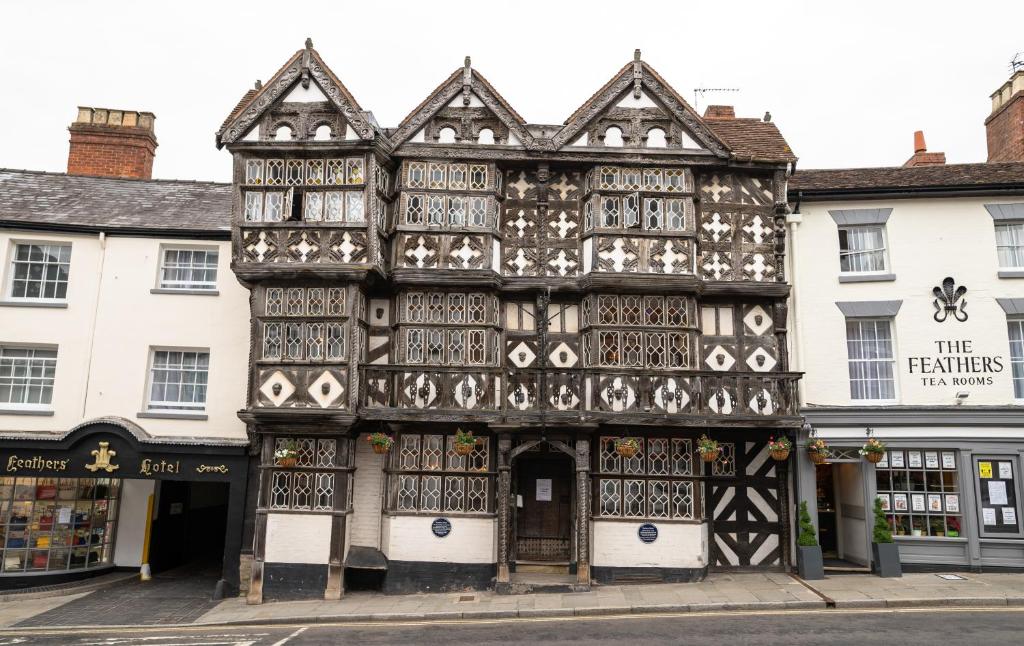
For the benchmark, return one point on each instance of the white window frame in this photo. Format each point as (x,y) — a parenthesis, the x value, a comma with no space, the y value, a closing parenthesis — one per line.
(1020,248)
(885,250)
(1019,322)
(891,321)
(168,407)
(23,406)
(10,264)
(169,286)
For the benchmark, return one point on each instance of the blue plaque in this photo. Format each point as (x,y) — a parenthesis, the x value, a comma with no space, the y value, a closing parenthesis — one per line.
(647,532)
(442,527)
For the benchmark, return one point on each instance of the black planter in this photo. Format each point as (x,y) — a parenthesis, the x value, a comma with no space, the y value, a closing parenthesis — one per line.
(886,559)
(809,564)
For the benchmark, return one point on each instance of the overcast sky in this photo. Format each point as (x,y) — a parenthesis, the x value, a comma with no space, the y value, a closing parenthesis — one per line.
(847,86)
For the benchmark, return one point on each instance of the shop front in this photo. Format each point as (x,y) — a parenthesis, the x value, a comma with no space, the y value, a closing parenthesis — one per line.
(107,495)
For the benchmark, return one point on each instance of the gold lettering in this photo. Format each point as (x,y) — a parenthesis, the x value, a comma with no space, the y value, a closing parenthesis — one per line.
(35,463)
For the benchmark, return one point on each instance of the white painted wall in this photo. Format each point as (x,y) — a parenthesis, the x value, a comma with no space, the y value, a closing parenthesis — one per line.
(928,239)
(131,522)
(104,336)
(367,490)
(298,538)
(616,544)
(409,538)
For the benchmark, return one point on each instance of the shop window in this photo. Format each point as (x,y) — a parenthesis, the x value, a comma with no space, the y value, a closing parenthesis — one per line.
(27,376)
(178,380)
(188,268)
(40,272)
(429,476)
(57,524)
(870,359)
(920,492)
(655,483)
(313,484)
(862,249)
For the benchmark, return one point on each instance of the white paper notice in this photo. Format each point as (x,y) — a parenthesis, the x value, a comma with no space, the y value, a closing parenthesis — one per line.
(952,503)
(988,516)
(917,502)
(1006,470)
(914,457)
(996,492)
(948,460)
(931,460)
(897,459)
(64,515)
(544,489)
(1009,516)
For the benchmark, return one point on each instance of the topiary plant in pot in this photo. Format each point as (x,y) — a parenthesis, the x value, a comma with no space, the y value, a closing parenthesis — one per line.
(809,563)
(885,553)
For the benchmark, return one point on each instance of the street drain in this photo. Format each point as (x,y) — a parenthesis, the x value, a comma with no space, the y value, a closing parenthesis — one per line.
(467,597)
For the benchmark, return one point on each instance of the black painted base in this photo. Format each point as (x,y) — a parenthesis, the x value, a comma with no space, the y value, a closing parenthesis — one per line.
(621,575)
(292,581)
(406,577)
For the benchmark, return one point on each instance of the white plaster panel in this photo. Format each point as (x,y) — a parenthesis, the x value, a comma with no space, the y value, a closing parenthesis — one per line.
(474,101)
(470,541)
(299,94)
(367,492)
(131,522)
(616,544)
(927,240)
(298,538)
(588,250)
(629,101)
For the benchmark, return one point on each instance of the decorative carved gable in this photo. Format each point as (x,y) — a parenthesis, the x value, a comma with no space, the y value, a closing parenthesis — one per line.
(303,95)
(638,102)
(459,110)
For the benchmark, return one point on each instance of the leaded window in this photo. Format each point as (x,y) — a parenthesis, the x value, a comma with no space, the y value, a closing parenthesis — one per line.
(655,483)
(429,476)
(448,210)
(313,484)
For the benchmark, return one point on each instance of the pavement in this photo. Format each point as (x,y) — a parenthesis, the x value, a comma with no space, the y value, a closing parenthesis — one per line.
(184,601)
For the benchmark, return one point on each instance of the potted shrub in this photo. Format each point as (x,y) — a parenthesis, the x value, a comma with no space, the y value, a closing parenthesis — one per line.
(464,442)
(809,563)
(627,446)
(381,442)
(780,448)
(709,449)
(817,450)
(885,553)
(286,455)
(873,451)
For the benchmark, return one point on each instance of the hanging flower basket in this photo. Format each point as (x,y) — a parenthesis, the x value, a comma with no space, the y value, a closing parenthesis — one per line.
(627,447)
(286,456)
(817,451)
(287,463)
(873,451)
(380,442)
(709,449)
(780,448)
(464,442)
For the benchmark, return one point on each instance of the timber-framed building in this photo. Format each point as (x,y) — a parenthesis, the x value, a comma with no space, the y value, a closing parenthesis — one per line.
(548,288)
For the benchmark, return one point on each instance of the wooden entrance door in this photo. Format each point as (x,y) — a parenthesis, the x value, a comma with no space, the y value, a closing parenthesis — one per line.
(544,522)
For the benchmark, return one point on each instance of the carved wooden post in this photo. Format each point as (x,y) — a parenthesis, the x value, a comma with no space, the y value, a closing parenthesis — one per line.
(583,511)
(255,595)
(504,513)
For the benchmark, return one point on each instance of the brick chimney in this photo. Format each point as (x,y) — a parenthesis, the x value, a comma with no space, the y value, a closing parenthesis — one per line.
(112,143)
(921,155)
(1004,128)
(719,112)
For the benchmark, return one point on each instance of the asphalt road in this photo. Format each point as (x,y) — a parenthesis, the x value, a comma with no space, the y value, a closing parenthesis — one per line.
(832,627)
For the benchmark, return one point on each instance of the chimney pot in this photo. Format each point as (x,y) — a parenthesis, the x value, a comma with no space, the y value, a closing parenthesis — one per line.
(921,155)
(919,146)
(112,143)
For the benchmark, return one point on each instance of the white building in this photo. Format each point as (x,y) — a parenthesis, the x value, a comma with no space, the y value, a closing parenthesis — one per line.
(908,310)
(122,365)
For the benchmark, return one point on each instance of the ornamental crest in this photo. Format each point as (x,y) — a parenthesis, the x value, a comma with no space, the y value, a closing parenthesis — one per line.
(949,302)
(103,456)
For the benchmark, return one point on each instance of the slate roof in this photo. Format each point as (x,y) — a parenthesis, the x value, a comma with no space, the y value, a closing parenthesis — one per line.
(71,202)
(948,177)
(752,138)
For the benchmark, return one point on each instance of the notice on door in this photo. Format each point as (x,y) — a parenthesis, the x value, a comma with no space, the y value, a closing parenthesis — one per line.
(544,489)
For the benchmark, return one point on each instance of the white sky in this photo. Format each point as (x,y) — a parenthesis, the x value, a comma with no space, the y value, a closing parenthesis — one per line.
(846,85)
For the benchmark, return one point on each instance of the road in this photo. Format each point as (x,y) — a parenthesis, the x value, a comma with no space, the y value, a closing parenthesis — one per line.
(833,627)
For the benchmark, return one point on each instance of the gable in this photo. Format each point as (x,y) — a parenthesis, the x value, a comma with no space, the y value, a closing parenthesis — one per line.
(302,96)
(464,109)
(637,106)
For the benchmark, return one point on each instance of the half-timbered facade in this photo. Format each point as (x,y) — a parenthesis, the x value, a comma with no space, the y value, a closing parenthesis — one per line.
(548,288)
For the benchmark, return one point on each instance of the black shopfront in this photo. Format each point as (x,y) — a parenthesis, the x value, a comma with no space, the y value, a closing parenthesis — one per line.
(66,500)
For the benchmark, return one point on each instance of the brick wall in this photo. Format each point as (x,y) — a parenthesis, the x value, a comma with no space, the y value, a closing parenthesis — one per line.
(112,143)
(1004,131)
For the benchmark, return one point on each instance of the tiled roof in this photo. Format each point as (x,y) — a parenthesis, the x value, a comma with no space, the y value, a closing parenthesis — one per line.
(752,138)
(174,207)
(915,178)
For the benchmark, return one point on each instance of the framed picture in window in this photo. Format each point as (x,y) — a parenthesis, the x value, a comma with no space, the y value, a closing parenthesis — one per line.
(897,459)
(931,459)
(884,497)
(899,501)
(914,459)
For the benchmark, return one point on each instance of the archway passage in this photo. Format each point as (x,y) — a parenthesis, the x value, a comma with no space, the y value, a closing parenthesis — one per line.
(189,526)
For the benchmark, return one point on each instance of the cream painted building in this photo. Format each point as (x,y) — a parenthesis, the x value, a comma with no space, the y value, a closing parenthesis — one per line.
(908,311)
(123,352)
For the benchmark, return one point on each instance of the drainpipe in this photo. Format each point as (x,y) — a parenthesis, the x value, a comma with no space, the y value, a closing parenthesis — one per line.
(793,221)
(95,316)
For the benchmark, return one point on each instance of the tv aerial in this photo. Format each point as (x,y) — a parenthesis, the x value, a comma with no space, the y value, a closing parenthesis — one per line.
(700,92)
